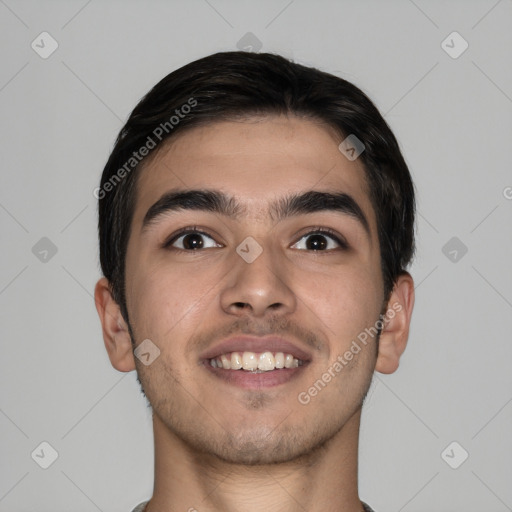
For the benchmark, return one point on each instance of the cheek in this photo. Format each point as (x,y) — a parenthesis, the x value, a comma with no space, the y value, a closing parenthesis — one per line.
(347,300)
(163,299)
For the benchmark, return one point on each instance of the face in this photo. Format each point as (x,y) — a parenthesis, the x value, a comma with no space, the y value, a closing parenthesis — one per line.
(246,262)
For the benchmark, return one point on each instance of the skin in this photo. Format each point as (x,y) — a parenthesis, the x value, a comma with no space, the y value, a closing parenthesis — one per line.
(217,446)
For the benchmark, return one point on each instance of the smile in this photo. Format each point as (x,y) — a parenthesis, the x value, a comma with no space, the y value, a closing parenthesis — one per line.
(255,362)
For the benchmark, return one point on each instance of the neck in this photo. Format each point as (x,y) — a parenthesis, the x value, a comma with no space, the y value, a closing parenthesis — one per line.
(322,480)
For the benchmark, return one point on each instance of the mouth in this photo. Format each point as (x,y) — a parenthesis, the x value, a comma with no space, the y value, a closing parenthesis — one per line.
(271,362)
(255,362)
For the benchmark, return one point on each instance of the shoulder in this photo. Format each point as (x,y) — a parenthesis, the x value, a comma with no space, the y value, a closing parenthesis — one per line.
(140,507)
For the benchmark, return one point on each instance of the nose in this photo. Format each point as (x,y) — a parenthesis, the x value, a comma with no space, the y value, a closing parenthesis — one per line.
(258,288)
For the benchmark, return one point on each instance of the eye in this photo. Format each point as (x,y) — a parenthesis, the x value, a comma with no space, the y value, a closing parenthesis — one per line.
(191,240)
(320,240)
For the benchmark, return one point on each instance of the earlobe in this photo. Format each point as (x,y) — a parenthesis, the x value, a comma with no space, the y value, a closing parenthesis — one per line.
(394,335)
(116,335)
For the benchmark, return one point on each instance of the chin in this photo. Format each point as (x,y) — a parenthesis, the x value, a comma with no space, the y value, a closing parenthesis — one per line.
(265,445)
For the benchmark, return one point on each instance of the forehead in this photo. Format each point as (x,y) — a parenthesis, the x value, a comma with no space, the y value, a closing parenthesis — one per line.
(257,160)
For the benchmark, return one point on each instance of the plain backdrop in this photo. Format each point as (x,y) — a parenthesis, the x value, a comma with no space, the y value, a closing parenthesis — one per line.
(450,107)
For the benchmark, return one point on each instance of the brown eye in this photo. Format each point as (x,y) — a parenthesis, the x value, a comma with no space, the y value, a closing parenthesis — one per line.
(317,242)
(192,241)
(320,241)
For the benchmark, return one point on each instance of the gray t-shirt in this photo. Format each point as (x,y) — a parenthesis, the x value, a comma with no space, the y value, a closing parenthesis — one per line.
(140,507)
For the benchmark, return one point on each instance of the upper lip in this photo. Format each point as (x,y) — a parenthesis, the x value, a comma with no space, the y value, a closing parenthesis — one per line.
(256,344)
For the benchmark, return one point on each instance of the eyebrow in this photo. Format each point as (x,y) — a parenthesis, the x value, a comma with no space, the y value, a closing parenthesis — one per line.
(220,203)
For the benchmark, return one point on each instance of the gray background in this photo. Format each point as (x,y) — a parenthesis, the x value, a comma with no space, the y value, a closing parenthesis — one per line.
(452,116)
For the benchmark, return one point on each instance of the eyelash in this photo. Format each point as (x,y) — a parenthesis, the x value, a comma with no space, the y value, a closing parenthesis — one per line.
(327,232)
(184,231)
(196,230)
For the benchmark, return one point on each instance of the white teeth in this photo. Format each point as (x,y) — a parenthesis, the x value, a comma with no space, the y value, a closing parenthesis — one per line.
(249,361)
(266,362)
(255,362)
(226,363)
(236,361)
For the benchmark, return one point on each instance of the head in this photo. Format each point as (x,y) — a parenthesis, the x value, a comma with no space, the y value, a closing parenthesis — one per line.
(241,147)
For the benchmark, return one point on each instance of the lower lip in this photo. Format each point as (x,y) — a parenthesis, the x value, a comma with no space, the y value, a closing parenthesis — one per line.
(249,380)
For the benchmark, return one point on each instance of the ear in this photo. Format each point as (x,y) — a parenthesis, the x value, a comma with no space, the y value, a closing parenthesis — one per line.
(397,319)
(115,330)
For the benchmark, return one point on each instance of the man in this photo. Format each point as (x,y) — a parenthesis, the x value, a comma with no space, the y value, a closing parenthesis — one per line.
(255,221)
